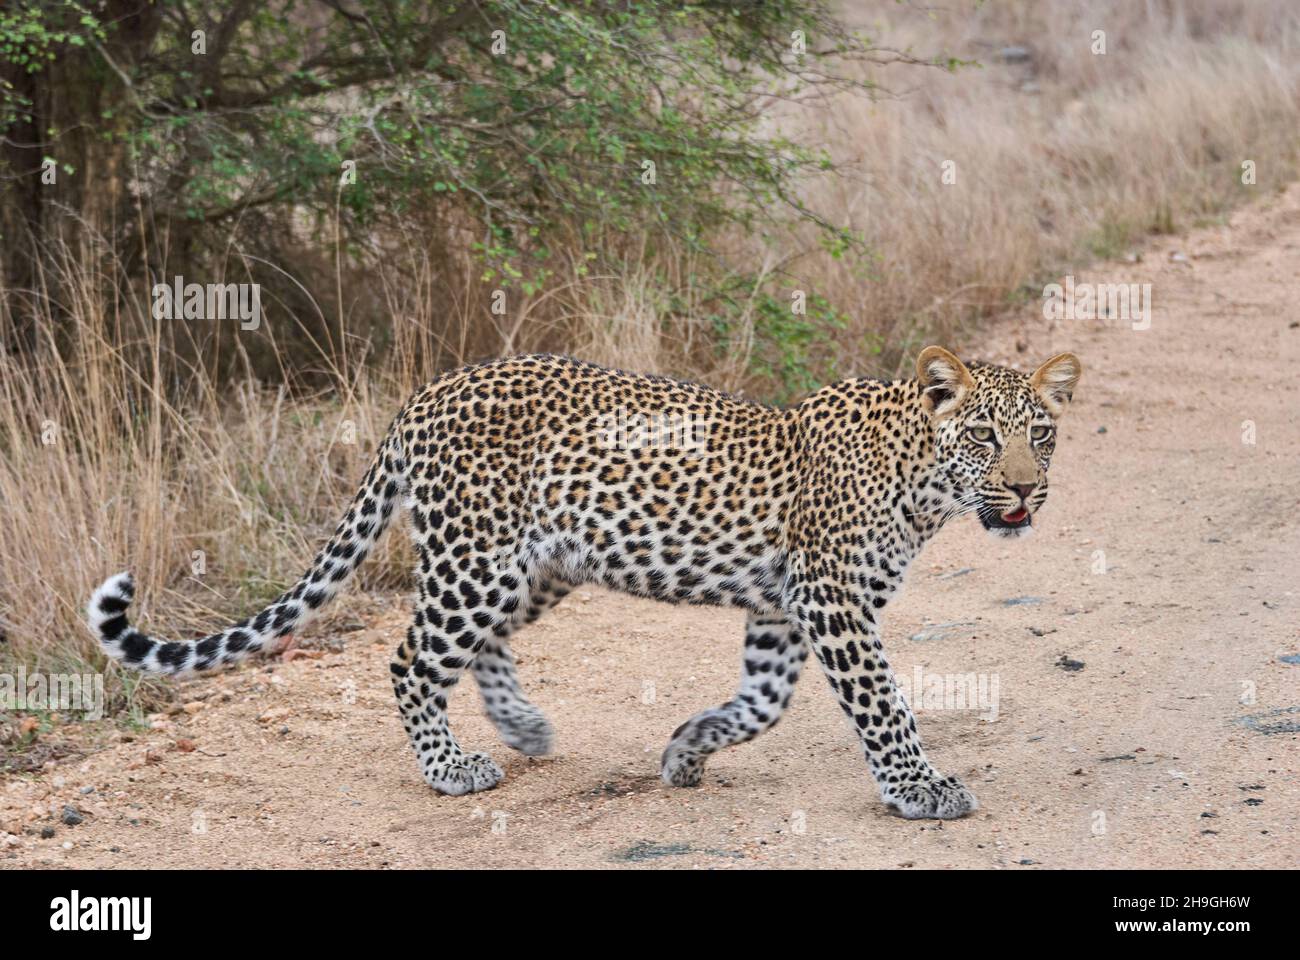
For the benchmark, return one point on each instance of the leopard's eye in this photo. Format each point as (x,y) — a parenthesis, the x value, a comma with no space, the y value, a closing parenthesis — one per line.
(1039,433)
(982,434)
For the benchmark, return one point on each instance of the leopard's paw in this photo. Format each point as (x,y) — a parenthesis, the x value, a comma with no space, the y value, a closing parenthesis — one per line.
(527,730)
(682,763)
(934,798)
(467,774)
(681,766)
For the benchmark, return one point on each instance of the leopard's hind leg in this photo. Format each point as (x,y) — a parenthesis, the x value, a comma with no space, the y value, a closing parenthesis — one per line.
(458,608)
(522,725)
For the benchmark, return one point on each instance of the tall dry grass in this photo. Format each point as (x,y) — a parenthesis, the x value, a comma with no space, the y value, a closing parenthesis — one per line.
(216,496)
(1059,154)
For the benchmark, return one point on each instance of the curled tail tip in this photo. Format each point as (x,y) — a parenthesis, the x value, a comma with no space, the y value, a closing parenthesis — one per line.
(106,614)
(106,610)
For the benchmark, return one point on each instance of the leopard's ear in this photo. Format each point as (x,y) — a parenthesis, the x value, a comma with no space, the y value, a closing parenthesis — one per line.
(1054,382)
(945,381)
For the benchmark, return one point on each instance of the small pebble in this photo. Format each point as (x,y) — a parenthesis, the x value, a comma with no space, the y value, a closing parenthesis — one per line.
(1022,601)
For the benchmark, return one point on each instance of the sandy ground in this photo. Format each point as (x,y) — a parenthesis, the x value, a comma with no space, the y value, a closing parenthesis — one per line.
(1145,716)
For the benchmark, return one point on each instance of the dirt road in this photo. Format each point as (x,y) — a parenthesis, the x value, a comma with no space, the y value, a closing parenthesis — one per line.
(1145,715)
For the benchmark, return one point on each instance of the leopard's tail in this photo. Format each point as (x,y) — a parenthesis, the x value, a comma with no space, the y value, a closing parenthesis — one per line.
(367,517)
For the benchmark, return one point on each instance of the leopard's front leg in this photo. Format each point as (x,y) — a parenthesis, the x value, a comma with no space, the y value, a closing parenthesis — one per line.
(841,628)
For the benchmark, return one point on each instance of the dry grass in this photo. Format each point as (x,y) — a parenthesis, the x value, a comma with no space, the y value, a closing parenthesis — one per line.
(106,462)
(1058,158)
(214,500)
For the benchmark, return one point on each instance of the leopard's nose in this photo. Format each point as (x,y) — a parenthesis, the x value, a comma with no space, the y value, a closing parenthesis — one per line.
(1024,489)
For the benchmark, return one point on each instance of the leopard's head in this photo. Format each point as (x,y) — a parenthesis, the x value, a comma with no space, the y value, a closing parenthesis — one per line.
(994,432)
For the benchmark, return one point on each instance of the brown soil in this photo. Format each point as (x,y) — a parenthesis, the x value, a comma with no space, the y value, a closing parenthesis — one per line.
(1174,744)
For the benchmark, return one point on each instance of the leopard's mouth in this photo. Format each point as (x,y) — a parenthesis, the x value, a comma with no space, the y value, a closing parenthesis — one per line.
(999,520)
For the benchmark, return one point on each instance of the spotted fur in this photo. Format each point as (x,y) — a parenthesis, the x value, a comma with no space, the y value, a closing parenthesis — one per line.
(523,477)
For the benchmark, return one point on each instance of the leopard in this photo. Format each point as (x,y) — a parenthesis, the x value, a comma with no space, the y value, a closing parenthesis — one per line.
(525,477)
